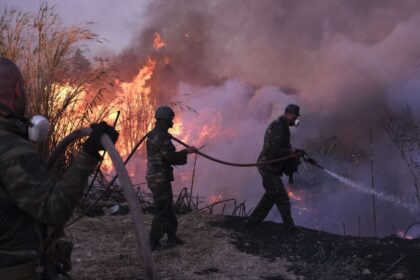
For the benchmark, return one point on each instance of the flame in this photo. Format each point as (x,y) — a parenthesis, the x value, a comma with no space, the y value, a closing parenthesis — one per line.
(401,233)
(136,102)
(294,196)
(215,198)
(158,42)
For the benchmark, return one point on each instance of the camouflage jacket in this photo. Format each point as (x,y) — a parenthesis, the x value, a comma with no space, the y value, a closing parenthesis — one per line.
(29,196)
(276,145)
(161,155)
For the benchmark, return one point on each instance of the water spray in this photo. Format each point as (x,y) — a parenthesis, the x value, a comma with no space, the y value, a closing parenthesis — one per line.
(308,159)
(362,188)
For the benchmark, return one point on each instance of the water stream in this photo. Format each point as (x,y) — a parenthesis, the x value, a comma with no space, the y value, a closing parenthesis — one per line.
(414,208)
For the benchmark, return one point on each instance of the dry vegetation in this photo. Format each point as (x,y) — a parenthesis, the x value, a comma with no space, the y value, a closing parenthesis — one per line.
(405,133)
(60,82)
(207,254)
(220,247)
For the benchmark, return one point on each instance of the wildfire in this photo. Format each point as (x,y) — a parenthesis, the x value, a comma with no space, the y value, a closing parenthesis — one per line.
(402,234)
(158,42)
(134,99)
(294,196)
(215,198)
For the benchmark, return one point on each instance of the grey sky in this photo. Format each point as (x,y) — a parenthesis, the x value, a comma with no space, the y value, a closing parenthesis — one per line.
(117,21)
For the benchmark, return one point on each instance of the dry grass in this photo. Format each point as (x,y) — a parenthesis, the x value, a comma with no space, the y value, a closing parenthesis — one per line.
(105,249)
(60,82)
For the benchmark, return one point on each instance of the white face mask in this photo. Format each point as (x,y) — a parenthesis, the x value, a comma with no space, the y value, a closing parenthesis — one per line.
(38,131)
(297,122)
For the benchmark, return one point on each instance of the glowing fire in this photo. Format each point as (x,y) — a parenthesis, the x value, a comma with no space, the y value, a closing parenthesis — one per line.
(294,196)
(158,42)
(134,99)
(215,198)
(401,234)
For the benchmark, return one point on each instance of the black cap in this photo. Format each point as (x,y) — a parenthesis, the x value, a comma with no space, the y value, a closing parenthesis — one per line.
(292,109)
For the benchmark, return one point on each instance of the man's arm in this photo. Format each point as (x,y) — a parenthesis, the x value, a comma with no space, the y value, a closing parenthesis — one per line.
(169,152)
(30,184)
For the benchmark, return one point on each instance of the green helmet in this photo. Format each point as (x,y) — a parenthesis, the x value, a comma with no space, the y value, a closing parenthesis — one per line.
(164,113)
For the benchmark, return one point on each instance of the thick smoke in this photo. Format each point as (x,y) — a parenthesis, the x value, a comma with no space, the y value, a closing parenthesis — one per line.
(351,65)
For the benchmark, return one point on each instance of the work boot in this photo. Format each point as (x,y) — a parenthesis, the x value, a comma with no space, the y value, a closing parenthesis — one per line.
(154,244)
(290,228)
(173,241)
(289,225)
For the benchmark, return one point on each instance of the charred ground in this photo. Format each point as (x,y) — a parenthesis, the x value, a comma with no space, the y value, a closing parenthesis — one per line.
(219,247)
(320,255)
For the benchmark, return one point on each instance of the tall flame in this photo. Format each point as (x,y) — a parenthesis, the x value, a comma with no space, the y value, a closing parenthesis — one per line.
(135,101)
(158,42)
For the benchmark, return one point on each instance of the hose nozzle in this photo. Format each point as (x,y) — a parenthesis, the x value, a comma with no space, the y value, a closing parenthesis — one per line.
(308,159)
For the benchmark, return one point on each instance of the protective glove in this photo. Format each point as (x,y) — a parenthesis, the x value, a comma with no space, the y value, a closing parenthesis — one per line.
(93,144)
(311,161)
(300,152)
(191,150)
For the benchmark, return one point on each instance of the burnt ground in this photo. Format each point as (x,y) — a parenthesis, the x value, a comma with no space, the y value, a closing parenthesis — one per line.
(320,255)
(220,247)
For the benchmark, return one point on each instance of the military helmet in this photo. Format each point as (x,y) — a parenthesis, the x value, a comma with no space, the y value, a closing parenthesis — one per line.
(292,109)
(164,113)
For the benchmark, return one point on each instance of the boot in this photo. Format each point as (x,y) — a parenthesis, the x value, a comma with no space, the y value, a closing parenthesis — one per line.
(289,224)
(286,215)
(154,244)
(173,241)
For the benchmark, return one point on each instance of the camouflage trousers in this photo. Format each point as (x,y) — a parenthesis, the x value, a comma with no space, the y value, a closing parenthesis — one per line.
(164,220)
(275,194)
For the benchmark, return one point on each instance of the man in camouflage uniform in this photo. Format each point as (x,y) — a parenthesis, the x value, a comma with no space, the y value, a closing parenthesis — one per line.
(31,202)
(161,155)
(277,145)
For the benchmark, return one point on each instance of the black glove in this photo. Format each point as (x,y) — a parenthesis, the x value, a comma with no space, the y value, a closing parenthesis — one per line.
(300,152)
(311,161)
(93,144)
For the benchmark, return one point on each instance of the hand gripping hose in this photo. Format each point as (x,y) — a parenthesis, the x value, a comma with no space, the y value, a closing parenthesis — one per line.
(133,204)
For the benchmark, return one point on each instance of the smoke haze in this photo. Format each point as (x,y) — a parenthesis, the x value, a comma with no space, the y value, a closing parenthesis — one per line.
(350,65)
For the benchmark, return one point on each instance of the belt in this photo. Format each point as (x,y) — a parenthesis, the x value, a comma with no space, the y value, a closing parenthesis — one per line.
(26,271)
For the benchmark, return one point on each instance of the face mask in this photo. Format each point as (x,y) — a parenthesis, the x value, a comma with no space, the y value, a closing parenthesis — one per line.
(296,122)
(38,128)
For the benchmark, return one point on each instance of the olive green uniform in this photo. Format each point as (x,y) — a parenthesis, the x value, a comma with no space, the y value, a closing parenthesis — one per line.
(276,145)
(161,155)
(30,199)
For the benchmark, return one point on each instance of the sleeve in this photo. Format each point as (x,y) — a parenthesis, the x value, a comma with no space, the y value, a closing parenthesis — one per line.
(25,176)
(277,139)
(168,151)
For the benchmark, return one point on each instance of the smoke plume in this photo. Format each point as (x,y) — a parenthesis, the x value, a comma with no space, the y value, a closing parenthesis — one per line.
(350,65)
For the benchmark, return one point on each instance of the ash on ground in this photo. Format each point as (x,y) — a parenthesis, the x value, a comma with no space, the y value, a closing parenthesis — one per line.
(220,247)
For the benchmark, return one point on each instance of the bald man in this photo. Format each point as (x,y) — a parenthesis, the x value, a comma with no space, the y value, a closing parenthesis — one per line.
(31,202)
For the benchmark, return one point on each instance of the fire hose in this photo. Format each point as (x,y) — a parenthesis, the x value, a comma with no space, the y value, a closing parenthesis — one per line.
(79,133)
(305,157)
(133,204)
(129,194)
